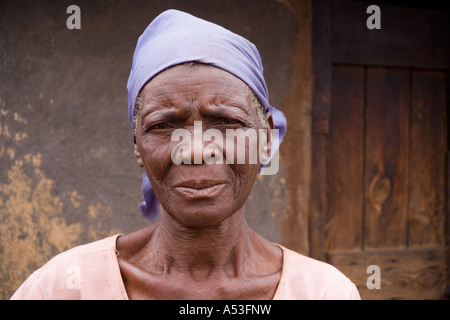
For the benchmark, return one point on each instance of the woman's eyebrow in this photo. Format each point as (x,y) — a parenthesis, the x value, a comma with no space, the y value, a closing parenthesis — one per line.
(167,115)
(155,104)
(224,109)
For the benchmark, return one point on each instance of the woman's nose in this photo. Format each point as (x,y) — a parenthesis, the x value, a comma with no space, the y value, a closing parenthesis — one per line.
(194,149)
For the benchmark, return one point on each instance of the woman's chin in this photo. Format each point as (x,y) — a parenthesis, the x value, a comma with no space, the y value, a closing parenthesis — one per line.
(201,214)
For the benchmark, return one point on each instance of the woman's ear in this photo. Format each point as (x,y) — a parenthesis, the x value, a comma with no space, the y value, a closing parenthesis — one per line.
(267,144)
(138,156)
(271,124)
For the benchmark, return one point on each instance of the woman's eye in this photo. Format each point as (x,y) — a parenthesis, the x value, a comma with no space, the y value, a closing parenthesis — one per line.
(229,121)
(163,125)
(159,126)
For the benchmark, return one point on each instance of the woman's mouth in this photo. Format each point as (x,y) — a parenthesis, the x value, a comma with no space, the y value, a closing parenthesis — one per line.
(198,190)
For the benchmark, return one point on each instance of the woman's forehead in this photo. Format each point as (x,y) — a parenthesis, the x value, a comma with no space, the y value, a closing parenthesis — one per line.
(195,74)
(194,82)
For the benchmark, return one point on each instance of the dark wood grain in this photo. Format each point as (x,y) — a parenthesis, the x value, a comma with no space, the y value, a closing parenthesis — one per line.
(426,200)
(346,160)
(386,164)
(407,37)
(405,274)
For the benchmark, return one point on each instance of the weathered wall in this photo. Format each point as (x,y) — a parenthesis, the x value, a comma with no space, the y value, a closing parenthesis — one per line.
(67,170)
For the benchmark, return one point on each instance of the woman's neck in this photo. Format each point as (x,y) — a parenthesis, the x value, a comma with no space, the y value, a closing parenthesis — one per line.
(201,251)
(227,260)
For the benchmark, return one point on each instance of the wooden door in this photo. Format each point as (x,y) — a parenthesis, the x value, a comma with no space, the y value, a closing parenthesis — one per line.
(380,144)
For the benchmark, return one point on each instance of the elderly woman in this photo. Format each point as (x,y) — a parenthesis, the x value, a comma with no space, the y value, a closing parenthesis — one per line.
(190,74)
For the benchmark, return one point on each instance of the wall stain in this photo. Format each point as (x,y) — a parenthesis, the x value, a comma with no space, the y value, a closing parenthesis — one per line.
(32,226)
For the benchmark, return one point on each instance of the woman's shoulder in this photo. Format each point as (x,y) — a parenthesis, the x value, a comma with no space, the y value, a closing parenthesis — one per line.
(83,254)
(307,278)
(88,271)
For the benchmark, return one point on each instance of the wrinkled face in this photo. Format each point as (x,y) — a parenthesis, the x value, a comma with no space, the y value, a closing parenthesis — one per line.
(196,193)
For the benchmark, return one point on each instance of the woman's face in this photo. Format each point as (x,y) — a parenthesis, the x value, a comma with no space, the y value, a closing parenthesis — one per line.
(196,193)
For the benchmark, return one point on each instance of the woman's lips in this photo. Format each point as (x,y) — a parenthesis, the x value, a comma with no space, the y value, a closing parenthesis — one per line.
(200,190)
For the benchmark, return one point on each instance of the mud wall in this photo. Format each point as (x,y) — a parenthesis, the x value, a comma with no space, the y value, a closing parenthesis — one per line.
(68,175)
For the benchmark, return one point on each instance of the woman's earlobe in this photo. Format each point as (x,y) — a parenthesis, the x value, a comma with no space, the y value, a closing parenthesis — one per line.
(138,156)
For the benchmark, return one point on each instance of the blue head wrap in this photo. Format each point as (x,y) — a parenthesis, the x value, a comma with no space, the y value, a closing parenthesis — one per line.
(175,37)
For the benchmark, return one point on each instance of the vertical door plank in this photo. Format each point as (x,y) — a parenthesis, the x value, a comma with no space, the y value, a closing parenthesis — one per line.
(386,174)
(345,163)
(318,204)
(447,236)
(426,204)
(321,62)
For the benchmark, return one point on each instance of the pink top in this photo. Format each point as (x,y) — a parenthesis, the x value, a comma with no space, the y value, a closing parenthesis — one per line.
(92,271)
